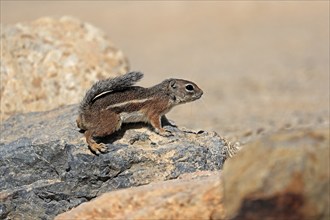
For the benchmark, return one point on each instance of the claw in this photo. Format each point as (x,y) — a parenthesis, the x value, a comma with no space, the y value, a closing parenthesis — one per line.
(164,133)
(99,148)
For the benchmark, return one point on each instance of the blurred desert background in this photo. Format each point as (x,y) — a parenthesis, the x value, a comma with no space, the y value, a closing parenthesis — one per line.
(263,66)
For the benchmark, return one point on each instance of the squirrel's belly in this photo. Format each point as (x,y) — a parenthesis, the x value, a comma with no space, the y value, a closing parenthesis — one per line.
(132,117)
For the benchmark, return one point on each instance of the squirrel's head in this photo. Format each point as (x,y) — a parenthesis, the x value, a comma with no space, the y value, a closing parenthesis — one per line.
(182,91)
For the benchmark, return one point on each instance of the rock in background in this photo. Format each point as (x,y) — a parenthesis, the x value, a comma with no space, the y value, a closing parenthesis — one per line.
(47,168)
(282,176)
(50,62)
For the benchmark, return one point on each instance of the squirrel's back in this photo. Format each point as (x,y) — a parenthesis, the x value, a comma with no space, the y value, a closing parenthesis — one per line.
(109,85)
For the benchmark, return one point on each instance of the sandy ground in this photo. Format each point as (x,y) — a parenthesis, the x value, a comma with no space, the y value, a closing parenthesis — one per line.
(262,65)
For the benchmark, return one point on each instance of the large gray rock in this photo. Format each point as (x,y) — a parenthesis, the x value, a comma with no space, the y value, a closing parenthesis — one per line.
(46,167)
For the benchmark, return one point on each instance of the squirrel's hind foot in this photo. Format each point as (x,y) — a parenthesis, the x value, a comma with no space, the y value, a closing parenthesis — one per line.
(98,148)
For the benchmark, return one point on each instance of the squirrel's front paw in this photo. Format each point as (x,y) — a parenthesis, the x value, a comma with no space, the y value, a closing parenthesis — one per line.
(99,148)
(163,132)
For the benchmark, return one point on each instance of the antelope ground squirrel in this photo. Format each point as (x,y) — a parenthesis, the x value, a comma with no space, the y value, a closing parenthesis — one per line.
(112,102)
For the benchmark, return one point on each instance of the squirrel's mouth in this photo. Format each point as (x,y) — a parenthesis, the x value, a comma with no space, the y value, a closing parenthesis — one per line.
(195,97)
(198,95)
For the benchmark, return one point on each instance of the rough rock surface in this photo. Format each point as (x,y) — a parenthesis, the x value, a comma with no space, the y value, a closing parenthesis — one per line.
(283,176)
(47,168)
(188,198)
(52,62)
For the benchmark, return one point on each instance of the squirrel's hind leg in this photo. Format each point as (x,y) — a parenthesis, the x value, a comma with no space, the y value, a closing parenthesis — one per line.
(95,147)
(110,123)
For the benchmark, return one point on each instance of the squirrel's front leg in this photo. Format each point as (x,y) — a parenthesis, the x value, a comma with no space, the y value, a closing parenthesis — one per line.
(165,121)
(155,121)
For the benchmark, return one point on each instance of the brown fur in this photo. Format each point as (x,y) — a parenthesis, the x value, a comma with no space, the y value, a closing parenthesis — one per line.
(105,114)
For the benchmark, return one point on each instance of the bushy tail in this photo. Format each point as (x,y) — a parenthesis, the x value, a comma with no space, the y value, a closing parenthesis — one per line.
(109,85)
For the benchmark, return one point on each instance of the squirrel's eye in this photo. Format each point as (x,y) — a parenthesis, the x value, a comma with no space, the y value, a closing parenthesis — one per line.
(189,87)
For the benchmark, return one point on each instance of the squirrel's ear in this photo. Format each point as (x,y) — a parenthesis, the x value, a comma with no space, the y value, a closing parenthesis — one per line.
(173,84)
